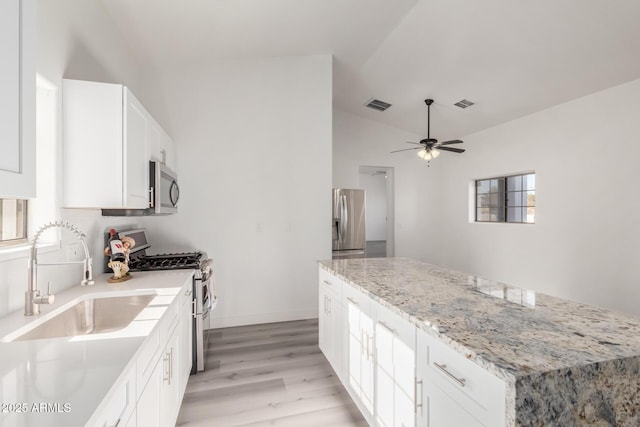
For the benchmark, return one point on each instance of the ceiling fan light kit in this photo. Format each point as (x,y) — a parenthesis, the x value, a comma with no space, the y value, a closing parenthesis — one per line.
(430,147)
(428,154)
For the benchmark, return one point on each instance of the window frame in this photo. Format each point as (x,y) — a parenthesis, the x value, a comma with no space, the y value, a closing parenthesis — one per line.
(503,196)
(25,224)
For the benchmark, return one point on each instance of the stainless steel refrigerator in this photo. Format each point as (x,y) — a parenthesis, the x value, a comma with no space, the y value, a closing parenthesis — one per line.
(348,222)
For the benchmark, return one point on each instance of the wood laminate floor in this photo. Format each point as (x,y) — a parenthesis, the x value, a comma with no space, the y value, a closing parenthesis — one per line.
(267,375)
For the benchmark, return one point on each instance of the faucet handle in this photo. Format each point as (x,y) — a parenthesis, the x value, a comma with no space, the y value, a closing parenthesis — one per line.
(47,299)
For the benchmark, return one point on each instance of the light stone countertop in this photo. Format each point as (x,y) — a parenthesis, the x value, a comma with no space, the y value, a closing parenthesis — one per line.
(77,371)
(558,357)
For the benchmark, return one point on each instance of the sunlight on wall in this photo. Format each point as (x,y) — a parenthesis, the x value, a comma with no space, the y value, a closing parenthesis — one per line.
(44,207)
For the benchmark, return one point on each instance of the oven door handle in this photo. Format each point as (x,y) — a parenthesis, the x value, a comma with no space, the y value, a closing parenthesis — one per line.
(209,298)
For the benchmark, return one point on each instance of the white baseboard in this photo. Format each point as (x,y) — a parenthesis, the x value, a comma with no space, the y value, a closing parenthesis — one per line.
(256,319)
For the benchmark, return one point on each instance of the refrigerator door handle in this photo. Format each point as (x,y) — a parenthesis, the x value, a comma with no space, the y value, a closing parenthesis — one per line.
(344,217)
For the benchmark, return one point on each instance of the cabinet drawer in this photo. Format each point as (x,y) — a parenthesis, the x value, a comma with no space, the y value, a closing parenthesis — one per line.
(481,393)
(170,320)
(356,297)
(330,283)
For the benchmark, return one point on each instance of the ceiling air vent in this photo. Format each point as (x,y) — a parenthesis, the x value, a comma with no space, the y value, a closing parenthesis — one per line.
(464,103)
(376,104)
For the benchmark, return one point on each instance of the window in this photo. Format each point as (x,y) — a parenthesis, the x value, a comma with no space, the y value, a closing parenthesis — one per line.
(13,221)
(506,199)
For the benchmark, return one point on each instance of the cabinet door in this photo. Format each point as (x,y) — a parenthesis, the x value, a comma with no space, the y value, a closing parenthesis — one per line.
(148,408)
(324,324)
(443,411)
(172,392)
(162,147)
(337,335)
(17,99)
(443,370)
(395,369)
(186,349)
(120,407)
(360,369)
(136,149)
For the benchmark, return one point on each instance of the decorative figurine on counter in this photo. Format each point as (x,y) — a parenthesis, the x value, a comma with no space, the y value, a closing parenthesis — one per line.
(118,250)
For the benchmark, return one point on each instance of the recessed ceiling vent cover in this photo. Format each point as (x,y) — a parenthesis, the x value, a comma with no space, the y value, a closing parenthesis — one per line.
(464,103)
(376,104)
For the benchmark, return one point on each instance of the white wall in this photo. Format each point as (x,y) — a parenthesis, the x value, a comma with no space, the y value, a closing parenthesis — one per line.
(254,161)
(362,142)
(584,245)
(375,186)
(76,40)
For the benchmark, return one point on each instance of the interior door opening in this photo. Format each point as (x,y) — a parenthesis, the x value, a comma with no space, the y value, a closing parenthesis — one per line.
(377,181)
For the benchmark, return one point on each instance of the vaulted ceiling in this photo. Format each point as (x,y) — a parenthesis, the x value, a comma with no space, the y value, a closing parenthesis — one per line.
(511,58)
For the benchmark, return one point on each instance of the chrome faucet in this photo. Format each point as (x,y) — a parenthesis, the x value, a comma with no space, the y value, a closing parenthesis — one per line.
(32,298)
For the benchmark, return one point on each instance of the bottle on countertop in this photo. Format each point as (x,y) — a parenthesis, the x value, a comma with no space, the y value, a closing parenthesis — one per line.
(116,247)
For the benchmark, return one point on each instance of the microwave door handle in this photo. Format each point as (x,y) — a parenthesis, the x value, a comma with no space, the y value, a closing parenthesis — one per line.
(174,184)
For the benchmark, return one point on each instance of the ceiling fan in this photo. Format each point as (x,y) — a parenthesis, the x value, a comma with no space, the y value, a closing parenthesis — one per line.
(430,147)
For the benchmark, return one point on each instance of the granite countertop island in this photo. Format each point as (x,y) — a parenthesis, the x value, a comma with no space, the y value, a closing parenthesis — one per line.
(565,363)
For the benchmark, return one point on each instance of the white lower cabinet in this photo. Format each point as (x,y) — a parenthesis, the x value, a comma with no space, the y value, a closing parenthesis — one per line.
(171,395)
(152,393)
(133,421)
(120,407)
(331,336)
(453,391)
(395,373)
(360,350)
(148,408)
(186,337)
(399,375)
(160,400)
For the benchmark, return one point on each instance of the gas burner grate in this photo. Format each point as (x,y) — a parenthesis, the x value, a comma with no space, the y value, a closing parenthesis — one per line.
(167,261)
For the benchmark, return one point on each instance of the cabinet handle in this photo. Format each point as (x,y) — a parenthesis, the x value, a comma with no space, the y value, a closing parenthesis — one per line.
(187,292)
(443,368)
(171,366)
(369,347)
(194,307)
(418,402)
(328,305)
(326,282)
(384,325)
(166,359)
(352,301)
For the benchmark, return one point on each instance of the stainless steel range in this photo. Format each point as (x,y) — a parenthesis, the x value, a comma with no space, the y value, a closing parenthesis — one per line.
(204,299)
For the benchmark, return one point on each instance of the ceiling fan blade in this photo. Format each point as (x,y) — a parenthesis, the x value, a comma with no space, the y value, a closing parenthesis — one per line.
(455,150)
(407,149)
(453,141)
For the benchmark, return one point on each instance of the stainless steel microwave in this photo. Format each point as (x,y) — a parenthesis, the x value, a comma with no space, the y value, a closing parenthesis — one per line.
(164,193)
(163,188)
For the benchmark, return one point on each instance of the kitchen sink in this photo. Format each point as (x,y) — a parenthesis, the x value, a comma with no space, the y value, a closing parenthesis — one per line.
(90,316)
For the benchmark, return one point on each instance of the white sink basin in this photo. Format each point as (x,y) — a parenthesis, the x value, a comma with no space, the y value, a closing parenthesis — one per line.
(90,316)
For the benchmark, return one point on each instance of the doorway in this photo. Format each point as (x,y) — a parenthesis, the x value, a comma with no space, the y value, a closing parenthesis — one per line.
(377,181)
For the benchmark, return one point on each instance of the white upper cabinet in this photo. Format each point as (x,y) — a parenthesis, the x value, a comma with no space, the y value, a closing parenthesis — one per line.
(106,147)
(17,98)
(163,149)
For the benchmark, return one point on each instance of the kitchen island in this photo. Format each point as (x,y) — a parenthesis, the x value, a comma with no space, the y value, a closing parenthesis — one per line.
(100,379)
(563,363)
